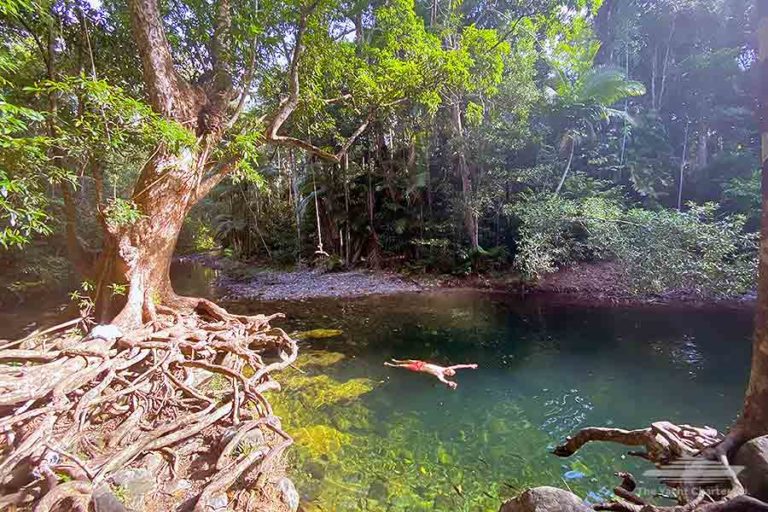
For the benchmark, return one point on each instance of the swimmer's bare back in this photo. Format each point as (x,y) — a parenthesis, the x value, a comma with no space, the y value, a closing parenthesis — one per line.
(441,372)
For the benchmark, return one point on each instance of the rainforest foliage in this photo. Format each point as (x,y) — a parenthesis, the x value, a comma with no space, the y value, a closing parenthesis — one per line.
(431,136)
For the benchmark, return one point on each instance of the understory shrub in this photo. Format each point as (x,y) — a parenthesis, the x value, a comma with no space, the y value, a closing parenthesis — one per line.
(697,250)
(486,260)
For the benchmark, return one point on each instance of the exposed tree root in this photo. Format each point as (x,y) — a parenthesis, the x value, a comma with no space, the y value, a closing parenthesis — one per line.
(186,385)
(663,441)
(684,449)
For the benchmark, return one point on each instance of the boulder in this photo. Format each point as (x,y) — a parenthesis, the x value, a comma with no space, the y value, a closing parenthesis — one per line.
(105,332)
(254,438)
(178,488)
(134,485)
(105,501)
(545,499)
(753,456)
(218,502)
(288,493)
(153,462)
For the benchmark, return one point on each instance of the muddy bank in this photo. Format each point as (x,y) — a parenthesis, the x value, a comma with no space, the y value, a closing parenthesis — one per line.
(603,284)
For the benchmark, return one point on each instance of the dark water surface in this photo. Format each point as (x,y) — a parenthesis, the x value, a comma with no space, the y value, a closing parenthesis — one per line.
(376,438)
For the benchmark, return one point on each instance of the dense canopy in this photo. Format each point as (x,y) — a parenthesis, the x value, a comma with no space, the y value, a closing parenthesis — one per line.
(429,135)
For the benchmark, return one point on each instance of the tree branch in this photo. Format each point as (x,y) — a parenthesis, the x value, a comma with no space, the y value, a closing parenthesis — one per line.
(663,440)
(325,155)
(338,99)
(247,81)
(40,46)
(164,86)
(223,169)
(289,104)
(222,63)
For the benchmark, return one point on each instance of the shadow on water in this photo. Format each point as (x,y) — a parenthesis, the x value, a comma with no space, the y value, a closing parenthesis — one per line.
(375,438)
(44,310)
(192,279)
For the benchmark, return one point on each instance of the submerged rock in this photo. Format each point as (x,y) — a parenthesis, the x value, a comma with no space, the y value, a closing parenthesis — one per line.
(545,499)
(753,455)
(288,493)
(315,470)
(443,503)
(318,334)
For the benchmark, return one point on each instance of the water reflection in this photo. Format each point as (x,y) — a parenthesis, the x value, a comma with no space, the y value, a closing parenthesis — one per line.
(565,413)
(190,278)
(683,352)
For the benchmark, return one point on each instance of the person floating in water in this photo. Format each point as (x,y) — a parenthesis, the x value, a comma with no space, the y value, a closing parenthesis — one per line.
(441,372)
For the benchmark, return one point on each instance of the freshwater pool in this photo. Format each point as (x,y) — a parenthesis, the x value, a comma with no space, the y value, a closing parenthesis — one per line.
(374,438)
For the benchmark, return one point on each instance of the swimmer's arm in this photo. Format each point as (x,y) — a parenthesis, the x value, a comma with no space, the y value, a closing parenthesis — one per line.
(447,382)
(463,366)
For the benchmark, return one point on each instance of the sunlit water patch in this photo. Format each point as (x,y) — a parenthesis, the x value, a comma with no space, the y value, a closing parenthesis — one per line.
(374,438)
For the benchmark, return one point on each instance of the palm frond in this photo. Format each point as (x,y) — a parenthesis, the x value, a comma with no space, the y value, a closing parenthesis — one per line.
(607,86)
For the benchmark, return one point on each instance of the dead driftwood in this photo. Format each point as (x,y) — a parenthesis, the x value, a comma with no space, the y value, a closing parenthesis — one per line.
(663,441)
(188,387)
(683,447)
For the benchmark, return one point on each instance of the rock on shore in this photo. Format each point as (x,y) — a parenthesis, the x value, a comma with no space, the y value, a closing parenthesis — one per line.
(545,499)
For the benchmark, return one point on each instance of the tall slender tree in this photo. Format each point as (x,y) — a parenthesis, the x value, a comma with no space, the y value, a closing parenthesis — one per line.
(754,421)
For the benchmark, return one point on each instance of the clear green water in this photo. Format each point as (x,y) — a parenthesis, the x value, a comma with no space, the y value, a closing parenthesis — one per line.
(375,438)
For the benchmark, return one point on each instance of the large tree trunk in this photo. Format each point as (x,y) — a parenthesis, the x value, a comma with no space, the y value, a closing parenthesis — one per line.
(754,421)
(139,255)
(702,149)
(605,29)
